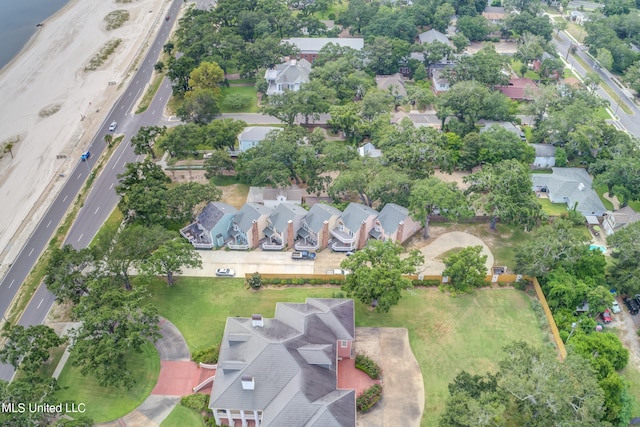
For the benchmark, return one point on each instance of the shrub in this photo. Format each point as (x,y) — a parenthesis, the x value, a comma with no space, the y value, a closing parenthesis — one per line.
(198,402)
(238,102)
(208,355)
(283,281)
(369,398)
(368,366)
(255,281)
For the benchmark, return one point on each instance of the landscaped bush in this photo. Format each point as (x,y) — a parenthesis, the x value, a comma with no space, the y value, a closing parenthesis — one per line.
(208,355)
(255,281)
(369,398)
(368,366)
(238,102)
(198,402)
(427,283)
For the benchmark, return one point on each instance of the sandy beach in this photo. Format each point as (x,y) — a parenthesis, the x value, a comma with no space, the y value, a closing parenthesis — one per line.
(50,74)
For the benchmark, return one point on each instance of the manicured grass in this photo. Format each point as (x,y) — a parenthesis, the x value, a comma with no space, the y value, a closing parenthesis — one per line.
(222,181)
(242,81)
(447,334)
(229,92)
(601,190)
(109,403)
(109,228)
(150,93)
(553,209)
(577,31)
(181,416)
(616,99)
(603,114)
(635,205)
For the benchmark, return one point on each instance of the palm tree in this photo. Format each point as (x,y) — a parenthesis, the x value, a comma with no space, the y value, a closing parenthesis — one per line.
(108,138)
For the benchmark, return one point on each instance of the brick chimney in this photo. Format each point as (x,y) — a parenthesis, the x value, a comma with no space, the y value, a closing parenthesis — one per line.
(290,234)
(400,232)
(325,235)
(362,237)
(255,235)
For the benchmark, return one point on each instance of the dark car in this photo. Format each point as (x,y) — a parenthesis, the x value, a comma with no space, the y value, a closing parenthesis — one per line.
(632,305)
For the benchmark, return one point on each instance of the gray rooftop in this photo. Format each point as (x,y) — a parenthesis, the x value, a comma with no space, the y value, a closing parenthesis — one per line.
(393,84)
(248,213)
(256,133)
(574,184)
(314,45)
(293,368)
(284,213)
(356,214)
(292,71)
(544,150)
(390,217)
(318,214)
(432,36)
(213,212)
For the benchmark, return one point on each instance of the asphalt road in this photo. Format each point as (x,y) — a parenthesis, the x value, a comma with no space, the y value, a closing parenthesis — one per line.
(627,121)
(102,198)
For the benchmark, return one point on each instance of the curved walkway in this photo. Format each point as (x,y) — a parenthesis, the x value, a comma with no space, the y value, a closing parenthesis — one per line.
(446,242)
(176,379)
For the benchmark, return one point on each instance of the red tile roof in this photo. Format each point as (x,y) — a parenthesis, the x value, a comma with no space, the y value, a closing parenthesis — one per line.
(518,89)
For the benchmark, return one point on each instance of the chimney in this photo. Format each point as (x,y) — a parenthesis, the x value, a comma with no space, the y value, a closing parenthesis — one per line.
(362,237)
(294,62)
(255,238)
(325,235)
(257,320)
(400,232)
(290,234)
(248,383)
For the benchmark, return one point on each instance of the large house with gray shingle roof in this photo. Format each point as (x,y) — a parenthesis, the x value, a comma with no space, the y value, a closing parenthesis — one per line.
(254,135)
(282,226)
(211,228)
(314,232)
(288,76)
(394,223)
(309,47)
(433,36)
(282,372)
(352,228)
(247,228)
(571,186)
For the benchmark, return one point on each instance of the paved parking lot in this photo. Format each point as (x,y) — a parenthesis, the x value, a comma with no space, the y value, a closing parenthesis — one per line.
(265,262)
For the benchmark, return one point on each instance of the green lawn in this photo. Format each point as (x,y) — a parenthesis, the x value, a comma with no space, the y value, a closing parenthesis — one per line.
(230,92)
(553,209)
(109,403)
(181,416)
(635,205)
(447,334)
(601,190)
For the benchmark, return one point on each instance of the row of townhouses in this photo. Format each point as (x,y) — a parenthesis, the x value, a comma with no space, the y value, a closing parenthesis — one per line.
(291,226)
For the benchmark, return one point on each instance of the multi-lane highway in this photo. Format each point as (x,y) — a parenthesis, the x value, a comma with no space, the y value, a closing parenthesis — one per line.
(102,198)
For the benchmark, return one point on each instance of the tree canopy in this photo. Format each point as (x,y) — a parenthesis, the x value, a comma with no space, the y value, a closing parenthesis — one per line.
(376,273)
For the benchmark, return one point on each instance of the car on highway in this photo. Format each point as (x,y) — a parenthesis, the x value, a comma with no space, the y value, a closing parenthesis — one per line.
(632,305)
(113,126)
(225,272)
(85,156)
(615,307)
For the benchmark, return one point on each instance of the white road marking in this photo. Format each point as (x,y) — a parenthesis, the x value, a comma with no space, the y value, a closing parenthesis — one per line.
(49,223)
(153,112)
(111,186)
(97,210)
(40,303)
(65,197)
(11,284)
(30,252)
(80,237)
(79,175)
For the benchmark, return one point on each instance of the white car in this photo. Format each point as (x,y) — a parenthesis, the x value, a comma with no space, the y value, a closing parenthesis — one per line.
(113,126)
(225,272)
(615,307)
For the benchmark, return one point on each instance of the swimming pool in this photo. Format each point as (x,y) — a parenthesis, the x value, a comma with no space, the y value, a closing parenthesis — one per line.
(601,248)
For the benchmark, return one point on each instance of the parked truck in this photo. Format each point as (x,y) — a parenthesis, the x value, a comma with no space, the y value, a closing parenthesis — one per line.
(298,255)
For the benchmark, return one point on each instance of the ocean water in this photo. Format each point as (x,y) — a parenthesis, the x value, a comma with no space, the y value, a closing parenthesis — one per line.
(18,19)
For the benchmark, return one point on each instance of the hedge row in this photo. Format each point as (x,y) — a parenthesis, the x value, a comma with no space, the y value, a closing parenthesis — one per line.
(428,283)
(369,398)
(368,366)
(282,282)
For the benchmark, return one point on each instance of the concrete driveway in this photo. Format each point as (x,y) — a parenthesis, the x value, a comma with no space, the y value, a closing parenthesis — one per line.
(402,403)
(446,242)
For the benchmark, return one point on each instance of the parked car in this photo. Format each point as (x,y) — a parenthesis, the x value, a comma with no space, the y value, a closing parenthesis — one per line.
(632,305)
(85,156)
(298,255)
(606,316)
(225,272)
(113,126)
(615,307)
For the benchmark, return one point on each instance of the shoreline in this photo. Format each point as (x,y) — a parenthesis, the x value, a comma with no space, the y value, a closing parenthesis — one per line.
(31,41)
(49,71)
